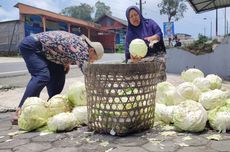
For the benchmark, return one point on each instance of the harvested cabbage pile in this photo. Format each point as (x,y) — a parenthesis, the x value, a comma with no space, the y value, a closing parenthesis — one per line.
(56,114)
(138,48)
(186,105)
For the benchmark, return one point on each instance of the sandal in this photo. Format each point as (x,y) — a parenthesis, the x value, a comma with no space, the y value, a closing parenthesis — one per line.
(14,120)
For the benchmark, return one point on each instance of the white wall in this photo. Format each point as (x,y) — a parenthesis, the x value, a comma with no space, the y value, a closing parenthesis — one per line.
(217,62)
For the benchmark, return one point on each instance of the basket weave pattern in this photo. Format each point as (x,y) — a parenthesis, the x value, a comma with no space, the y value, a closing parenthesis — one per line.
(121,97)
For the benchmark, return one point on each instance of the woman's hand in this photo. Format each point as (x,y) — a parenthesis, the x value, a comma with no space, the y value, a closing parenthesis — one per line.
(66,68)
(152,40)
(135,59)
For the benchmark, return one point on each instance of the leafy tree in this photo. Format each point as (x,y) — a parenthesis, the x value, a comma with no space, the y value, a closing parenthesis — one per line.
(101,9)
(173,8)
(83,11)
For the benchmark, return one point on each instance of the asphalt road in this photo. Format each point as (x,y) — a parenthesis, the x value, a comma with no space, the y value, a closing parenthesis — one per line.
(15,74)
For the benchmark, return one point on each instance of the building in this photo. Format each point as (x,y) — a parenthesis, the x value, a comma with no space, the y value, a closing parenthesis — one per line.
(34,20)
(114,24)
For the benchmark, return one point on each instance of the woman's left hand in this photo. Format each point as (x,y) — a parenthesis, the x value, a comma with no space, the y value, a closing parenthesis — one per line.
(66,68)
(135,59)
(152,38)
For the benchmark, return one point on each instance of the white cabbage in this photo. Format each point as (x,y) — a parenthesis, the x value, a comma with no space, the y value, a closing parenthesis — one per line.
(219,118)
(81,115)
(215,81)
(190,116)
(164,113)
(34,114)
(190,74)
(138,48)
(166,94)
(58,104)
(212,99)
(225,90)
(77,94)
(188,90)
(202,83)
(64,121)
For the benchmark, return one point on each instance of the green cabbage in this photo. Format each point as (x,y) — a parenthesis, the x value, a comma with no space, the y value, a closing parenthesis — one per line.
(215,81)
(190,116)
(138,48)
(164,113)
(212,99)
(34,114)
(190,74)
(77,94)
(188,90)
(219,118)
(81,115)
(64,121)
(202,83)
(58,104)
(166,94)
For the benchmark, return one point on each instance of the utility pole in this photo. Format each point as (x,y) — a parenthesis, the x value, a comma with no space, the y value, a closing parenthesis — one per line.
(225,23)
(211,30)
(140,4)
(227,27)
(216,22)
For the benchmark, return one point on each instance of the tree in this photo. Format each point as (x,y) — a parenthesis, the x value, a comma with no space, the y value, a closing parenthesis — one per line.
(83,11)
(101,9)
(173,8)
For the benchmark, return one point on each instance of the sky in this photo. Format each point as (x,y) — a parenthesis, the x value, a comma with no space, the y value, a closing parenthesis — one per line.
(191,24)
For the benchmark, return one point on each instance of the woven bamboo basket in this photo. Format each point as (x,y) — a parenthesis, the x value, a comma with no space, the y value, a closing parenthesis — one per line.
(121,97)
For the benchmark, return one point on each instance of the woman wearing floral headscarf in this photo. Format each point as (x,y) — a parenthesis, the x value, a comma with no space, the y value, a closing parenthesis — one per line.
(145,29)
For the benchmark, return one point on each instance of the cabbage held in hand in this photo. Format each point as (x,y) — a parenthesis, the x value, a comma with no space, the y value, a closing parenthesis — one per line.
(138,48)
(190,116)
(34,114)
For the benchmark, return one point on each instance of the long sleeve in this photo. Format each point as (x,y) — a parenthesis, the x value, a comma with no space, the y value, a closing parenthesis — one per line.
(127,54)
(156,29)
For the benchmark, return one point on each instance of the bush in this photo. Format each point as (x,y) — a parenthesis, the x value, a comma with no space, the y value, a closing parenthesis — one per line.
(201,46)
(120,48)
(9,53)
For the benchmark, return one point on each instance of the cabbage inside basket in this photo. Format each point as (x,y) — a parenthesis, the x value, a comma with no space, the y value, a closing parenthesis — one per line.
(121,97)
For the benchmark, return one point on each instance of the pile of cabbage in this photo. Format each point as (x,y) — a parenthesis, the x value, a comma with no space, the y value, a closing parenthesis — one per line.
(199,100)
(60,113)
